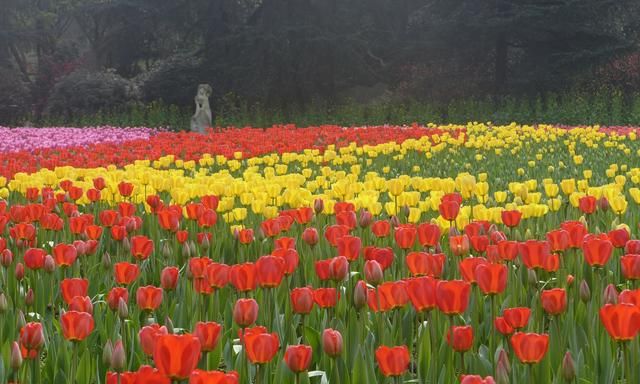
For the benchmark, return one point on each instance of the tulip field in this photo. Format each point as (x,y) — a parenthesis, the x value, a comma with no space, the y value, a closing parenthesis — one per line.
(416,254)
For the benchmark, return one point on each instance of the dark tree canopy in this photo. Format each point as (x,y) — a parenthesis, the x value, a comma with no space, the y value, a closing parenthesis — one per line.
(291,53)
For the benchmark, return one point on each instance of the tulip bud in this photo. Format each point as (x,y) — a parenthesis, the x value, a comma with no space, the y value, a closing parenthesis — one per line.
(310,236)
(365,219)
(568,368)
(6,258)
(204,245)
(130,226)
(405,210)
(126,244)
(585,292)
(318,206)
(186,251)
(49,264)
(169,278)
(20,320)
(4,304)
(453,231)
(532,277)
(19,271)
(123,309)
(360,295)
(118,357)
(81,247)
(166,250)
(395,222)
(106,261)
(29,298)
(583,221)
(503,359)
(193,249)
(16,357)
(438,248)
(603,204)
(107,352)
(332,342)
(169,324)
(373,272)
(610,295)
(570,279)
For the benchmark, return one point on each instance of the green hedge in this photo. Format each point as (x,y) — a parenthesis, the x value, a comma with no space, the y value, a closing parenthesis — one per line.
(575,108)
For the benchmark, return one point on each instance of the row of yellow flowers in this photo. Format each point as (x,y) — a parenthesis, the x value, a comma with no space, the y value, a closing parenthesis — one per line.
(266,184)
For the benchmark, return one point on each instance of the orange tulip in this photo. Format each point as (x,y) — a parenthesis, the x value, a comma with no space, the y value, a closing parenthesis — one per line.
(261,347)
(622,321)
(76,326)
(491,278)
(176,356)
(530,348)
(452,297)
(298,357)
(393,361)
(71,288)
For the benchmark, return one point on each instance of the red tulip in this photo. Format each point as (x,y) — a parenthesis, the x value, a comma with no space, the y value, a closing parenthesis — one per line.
(622,321)
(34,258)
(587,204)
(384,256)
(209,334)
(310,236)
(149,298)
(243,277)
(76,326)
(381,228)
(334,232)
(393,361)
(425,264)
(452,297)
(479,243)
(332,342)
(491,278)
(213,377)
(141,247)
(476,379)
(339,268)
(508,250)
(467,267)
(271,227)
(217,275)
(558,240)
(245,236)
(125,273)
(503,326)
(245,312)
(169,278)
(459,245)
(619,237)
(261,347)
(577,232)
(298,357)
(530,348)
(422,293)
(554,301)
(534,253)
(460,338)
(449,209)
(73,287)
(511,218)
(597,251)
(81,304)
(628,296)
(630,266)
(176,356)
(31,340)
(405,236)
(302,300)
(518,317)
(325,297)
(65,254)
(632,247)
(148,336)
(347,218)
(269,271)
(429,234)
(373,272)
(322,269)
(349,247)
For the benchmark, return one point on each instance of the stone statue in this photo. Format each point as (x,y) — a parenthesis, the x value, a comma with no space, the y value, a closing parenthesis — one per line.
(201,120)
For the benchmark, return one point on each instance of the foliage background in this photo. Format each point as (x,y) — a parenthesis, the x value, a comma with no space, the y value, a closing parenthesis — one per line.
(138,62)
